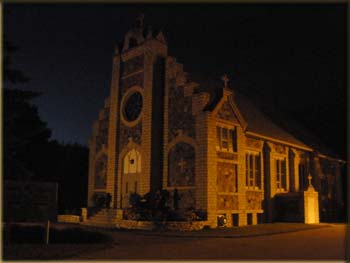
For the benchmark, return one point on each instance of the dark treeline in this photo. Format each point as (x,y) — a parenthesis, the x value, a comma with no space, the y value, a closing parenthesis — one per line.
(29,153)
(66,164)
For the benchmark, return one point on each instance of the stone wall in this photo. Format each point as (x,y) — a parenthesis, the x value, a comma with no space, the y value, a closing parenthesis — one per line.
(100,178)
(68,219)
(180,116)
(186,198)
(129,129)
(181,161)
(98,158)
(179,144)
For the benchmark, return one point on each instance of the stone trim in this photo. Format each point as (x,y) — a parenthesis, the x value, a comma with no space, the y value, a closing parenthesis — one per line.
(132,74)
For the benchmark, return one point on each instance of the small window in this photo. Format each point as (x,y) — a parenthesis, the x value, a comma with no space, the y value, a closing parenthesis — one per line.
(132,162)
(249,219)
(221,220)
(281,174)
(226,139)
(218,137)
(234,139)
(253,168)
(132,42)
(235,219)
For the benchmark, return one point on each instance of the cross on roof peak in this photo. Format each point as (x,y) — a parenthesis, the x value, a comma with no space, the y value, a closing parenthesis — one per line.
(225,79)
(309,178)
(139,19)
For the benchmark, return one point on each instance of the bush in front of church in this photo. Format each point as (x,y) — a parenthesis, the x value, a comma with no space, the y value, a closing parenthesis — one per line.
(154,206)
(150,207)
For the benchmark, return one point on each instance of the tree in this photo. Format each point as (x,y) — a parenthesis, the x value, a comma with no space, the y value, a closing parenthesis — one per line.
(71,170)
(24,133)
(29,154)
(28,151)
(10,74)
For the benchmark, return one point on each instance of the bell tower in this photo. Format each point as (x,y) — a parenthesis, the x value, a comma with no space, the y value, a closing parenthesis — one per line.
(135,137)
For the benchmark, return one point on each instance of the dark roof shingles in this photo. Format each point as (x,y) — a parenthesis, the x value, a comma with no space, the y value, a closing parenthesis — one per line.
(266,123)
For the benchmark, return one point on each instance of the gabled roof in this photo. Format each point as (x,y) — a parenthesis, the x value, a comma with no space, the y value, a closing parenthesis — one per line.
(261,124)
(269,124)
(289,124)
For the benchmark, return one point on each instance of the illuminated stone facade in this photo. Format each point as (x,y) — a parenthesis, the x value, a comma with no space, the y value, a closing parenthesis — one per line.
(161,130)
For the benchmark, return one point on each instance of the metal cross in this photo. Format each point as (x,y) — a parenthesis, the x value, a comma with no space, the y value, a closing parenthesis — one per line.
(225,79)
(182,165)
(140,19)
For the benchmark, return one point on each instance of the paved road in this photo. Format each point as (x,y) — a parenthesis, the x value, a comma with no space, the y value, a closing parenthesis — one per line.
(317,244)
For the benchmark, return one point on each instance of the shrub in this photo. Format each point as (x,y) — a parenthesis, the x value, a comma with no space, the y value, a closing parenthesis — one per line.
(206,227)
(99,200)
(153,206)
(201,215)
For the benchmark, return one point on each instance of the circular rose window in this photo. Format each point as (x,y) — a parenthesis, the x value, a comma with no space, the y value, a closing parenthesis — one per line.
(133,106)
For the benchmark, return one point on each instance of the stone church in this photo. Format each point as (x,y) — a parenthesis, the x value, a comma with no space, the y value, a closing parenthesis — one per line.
(162,129)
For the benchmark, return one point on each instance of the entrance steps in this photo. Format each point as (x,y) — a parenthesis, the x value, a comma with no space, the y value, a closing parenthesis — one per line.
(104,218)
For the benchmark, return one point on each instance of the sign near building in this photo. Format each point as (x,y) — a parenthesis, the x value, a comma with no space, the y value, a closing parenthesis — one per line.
(30,201)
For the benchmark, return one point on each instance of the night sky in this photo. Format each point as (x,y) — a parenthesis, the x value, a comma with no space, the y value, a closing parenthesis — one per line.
(292,57)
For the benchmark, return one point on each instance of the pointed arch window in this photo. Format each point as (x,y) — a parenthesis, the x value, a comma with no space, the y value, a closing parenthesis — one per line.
(132,162)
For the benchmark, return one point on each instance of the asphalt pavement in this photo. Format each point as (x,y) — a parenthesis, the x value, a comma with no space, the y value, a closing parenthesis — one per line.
(325,243)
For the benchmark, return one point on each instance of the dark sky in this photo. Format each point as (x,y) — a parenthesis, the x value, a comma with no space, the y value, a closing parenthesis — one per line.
(291,56)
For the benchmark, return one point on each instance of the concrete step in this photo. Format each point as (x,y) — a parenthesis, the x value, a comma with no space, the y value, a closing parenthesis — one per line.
(99,217)
(104,212)
(104,218)
(98,224)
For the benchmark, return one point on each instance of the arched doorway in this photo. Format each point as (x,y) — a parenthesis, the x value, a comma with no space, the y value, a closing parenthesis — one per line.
(130,176)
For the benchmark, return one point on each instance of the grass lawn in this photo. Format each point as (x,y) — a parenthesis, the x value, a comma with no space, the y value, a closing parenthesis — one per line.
(26,242)
(46,252)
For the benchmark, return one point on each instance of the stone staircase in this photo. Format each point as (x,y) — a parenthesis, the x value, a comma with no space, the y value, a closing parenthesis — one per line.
(103,218)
